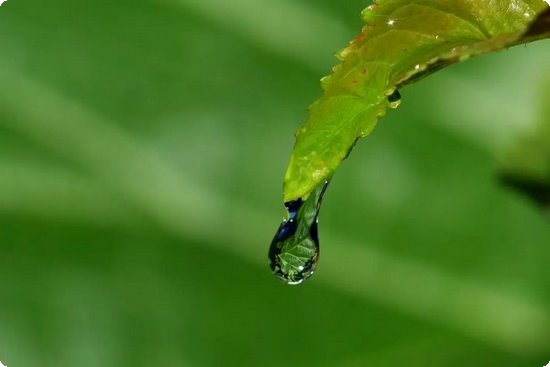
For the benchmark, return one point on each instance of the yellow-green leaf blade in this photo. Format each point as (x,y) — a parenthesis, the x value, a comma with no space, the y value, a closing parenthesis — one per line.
(401,42)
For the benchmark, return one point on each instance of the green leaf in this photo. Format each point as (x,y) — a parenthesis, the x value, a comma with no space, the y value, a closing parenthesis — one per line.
(401,42)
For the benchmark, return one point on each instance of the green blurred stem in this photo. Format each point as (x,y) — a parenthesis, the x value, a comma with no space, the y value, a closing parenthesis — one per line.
(56,193)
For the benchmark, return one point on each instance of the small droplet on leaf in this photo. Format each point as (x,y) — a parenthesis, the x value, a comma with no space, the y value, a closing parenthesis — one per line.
(369,14)
(394,99)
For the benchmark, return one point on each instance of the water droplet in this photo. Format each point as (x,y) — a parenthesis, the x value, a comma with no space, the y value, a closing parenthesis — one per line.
(369,15)
(294,251)
(394,99)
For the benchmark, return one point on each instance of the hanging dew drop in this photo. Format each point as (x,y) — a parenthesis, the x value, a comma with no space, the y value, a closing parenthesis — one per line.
(294,251)
(394,99)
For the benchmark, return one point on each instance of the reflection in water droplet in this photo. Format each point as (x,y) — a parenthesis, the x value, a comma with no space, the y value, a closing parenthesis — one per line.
(294,251)
(394,99)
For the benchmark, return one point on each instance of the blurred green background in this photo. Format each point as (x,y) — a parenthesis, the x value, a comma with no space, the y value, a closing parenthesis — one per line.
(142,150)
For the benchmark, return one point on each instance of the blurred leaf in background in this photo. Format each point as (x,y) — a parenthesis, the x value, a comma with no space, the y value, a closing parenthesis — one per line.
(526,167)
(141,150)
